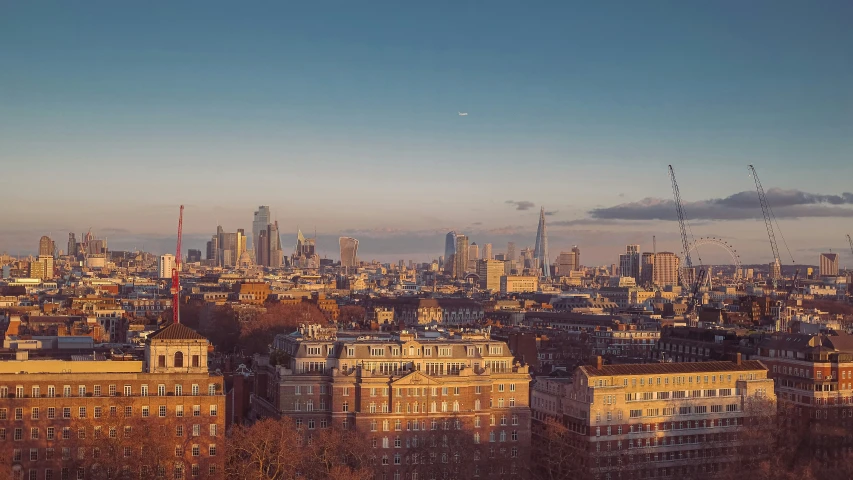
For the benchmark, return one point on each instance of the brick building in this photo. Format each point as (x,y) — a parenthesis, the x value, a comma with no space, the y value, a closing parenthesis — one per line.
(67,416)
(403,389)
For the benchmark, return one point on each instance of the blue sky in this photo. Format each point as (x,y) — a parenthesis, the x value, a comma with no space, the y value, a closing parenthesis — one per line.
(343,116)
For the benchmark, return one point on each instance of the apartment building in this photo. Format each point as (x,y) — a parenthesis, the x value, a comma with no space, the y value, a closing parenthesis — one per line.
(814,385)
(657,420)
(66,417)
(402,391)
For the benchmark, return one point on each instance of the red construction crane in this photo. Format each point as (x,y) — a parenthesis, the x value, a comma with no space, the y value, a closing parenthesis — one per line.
(176,280)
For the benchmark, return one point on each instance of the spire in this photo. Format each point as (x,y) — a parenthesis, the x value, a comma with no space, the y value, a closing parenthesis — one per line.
(540,250)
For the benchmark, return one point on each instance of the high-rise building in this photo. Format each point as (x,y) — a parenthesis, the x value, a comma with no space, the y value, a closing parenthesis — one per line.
(565,264)
(510,251)
(349,253)
(775,269)
(276,255)
(473,252)
(259,222)
(166,265)
(490,273)
(72,245)
(460,264)
(213,249)
(647,268)
(42,267)
(449,252)
(487,251)
(241,242)
(629,263)
(262,248)
(193,255)
(540,250)
(577,251)
(829,264)
(46,246)
(665,269)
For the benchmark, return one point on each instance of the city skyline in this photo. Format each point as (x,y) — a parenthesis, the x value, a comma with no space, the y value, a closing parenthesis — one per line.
(601,101)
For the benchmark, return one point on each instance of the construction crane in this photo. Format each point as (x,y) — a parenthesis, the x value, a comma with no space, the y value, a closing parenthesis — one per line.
(176,280)
(776,266)
(685,244)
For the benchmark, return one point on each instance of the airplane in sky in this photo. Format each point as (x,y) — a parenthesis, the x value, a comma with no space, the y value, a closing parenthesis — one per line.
(463,114)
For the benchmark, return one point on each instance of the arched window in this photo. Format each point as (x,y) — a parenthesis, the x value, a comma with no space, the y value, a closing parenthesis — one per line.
(179,360)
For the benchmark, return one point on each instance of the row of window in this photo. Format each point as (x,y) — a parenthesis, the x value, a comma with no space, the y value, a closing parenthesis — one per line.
(80,473)
(426,351)
(112,390)
(66,433)
(679,380)
(35,454)
(98,412)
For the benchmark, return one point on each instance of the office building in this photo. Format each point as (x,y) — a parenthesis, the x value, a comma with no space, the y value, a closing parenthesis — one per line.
(449,253)
(193,255)
(540,249)
(565,264)
(276,253)
(829,264)
(665,270)
(349,253)
(487,251)
(629,263)
(72,245)
(260,221)
(577,251)
(460,262)
(213,249)
(775,269)
(400,389)
(663,420)
(647,268)
(46,246)
(510,251)
(166,265)
(490,273)
(94,405)
(519,284)
(262,248)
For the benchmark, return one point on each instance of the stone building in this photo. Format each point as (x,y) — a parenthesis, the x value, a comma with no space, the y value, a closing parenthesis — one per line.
(400,390)
(656,420)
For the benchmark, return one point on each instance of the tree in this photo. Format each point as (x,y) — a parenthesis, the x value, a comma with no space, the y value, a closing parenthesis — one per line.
(222,327)
(351,314)
(257,334)
(273,449)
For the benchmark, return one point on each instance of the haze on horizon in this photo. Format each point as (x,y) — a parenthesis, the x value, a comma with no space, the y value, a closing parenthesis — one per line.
(345,118)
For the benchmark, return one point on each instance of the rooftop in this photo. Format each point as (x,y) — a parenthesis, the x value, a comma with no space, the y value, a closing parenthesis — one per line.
(176,331)
(672,368)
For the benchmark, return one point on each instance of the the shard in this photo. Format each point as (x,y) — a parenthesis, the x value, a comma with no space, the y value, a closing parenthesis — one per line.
(540,250)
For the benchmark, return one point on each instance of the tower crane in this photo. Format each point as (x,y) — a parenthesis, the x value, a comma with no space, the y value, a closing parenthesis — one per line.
(776,266)
(176,280)
(685,244)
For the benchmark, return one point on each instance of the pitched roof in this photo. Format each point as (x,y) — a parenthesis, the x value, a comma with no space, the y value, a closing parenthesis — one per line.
(672,368)
(177,331)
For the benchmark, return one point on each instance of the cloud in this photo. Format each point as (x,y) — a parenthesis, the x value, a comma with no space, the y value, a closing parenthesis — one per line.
(521,205)
(554,212)
(739,206)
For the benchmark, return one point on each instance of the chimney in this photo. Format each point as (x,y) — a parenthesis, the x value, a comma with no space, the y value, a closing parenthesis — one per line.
(738,359)
(599,362)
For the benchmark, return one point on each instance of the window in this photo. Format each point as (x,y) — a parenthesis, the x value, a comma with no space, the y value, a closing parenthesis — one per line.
(145,411)
(179,430)
(162,411)
(34,413)
(211,450)
(213,410)
(97,390)
(81,391)
(128,390)
(345,407)
(81,413)
(179,390)
(66,412)
(179,410)
(212,427)
(196,410)
(161,390)
(195,389)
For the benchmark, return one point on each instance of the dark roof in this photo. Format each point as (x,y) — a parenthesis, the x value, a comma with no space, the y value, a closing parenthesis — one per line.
(672,368)
(176,331)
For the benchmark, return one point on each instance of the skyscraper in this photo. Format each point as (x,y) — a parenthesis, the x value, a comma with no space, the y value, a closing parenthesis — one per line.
(449,252)
(629,263)
(487,251)
(565,264)
(473,252)
(276,254)
(577,252)
(460,264)
(260,222)
(46,246)
(829,264)
(349,252)
(72,245)
(262,249)
(540,250)
(510,251)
